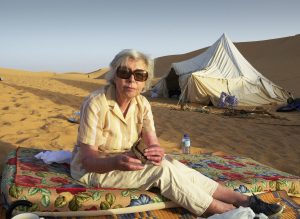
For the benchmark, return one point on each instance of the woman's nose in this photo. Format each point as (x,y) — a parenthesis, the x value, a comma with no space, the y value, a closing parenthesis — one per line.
(131,79)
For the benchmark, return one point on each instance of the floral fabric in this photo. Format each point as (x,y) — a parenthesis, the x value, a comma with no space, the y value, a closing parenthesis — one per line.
(241,173)
(51,188)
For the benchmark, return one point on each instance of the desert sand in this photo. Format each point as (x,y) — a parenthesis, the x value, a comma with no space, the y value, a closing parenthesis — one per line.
(34,108)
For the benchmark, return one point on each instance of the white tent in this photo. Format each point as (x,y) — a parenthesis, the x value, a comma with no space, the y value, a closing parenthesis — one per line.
(221,68)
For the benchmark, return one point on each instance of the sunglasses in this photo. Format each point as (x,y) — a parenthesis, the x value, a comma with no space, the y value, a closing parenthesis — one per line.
(125,73)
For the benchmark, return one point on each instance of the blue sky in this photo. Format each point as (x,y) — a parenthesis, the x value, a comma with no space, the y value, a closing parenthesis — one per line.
(84,35)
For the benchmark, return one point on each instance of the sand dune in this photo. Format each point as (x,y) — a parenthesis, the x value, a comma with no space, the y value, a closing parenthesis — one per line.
(34,108)
(99,74)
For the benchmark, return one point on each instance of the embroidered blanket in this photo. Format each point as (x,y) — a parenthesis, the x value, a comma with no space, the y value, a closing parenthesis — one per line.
(51,189)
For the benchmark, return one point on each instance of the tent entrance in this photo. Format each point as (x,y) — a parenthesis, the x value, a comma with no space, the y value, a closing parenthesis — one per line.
(172,82)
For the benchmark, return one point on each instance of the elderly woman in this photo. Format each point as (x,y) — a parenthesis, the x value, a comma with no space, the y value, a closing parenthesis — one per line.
(116,117)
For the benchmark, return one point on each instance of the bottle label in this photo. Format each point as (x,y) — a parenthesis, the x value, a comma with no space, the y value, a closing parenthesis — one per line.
(187,143)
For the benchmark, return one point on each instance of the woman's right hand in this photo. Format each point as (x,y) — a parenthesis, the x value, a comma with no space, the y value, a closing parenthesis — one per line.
(127,162)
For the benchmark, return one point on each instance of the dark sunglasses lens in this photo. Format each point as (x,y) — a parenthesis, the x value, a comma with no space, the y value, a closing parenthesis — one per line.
(140,75)
(123,73)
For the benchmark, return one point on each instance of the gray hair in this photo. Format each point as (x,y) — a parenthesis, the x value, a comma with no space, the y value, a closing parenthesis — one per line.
(122,58)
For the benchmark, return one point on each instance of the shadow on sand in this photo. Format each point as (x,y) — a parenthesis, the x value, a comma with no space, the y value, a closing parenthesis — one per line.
(58,98)
(85,85)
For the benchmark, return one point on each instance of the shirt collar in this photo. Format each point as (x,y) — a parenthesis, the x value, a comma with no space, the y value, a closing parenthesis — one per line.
(113,105)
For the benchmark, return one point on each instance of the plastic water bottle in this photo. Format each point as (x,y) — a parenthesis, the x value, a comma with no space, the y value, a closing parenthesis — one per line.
(186,144)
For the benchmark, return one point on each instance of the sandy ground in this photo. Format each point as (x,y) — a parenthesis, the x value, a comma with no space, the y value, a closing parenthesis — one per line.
(34,108)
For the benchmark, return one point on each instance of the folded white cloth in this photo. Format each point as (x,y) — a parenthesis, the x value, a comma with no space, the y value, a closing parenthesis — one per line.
(50,157)
(238,213)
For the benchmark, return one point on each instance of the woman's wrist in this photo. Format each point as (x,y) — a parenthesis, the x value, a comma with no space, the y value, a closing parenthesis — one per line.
(113,162)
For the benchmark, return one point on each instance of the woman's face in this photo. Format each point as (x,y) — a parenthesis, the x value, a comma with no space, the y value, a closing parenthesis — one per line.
(126,89)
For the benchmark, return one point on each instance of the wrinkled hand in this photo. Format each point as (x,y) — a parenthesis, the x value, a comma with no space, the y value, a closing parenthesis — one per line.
(127,162)
(155,154)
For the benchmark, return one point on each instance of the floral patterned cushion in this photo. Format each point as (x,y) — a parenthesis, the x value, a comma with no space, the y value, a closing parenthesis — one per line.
(241,173)
(51,189)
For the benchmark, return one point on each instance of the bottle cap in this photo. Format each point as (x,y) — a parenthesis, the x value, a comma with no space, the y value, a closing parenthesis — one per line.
(185,135)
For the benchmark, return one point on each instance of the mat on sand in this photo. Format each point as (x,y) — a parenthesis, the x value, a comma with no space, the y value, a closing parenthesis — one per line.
(53,192)
(291,210)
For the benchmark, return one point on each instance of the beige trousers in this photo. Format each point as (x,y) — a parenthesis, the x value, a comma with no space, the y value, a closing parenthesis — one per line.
(179,183)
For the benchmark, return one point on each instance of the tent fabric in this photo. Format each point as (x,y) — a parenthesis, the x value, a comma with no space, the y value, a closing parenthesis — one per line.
(160,90)
(221,68)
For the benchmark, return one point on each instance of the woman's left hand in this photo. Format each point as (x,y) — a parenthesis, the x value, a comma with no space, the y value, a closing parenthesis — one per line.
(155,154)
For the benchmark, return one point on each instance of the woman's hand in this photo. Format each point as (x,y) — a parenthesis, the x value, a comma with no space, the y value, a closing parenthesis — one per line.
(155,154)
(127,162)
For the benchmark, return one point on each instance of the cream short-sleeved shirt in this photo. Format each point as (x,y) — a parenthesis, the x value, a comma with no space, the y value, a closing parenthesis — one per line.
(102,124)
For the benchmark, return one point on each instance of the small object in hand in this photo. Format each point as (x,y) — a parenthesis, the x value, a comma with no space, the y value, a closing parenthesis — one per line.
(138,149)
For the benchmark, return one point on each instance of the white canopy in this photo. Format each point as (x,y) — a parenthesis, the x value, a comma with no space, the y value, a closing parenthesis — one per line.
(221,68)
